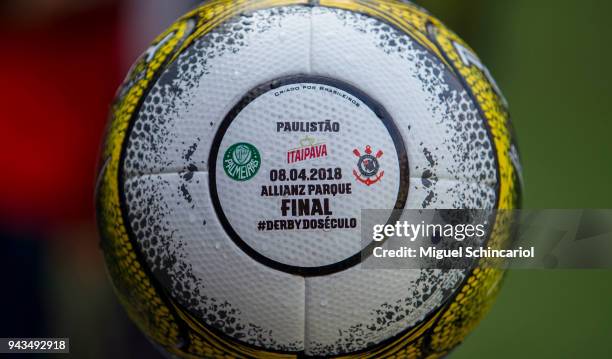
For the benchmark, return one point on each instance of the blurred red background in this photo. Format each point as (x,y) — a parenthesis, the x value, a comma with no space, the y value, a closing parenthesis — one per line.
(61,62)
(59,75)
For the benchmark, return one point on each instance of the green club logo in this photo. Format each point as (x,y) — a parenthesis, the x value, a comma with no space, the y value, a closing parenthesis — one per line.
(241,161)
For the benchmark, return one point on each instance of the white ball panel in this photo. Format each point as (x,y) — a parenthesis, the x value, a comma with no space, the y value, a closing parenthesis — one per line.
(438,119)
(354,309)
(447,170)
(183,111)
(190,254)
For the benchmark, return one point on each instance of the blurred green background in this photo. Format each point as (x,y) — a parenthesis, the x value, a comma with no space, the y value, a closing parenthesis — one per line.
(551,59)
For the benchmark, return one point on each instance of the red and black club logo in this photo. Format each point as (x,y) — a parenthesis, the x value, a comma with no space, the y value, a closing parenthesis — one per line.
(368,166)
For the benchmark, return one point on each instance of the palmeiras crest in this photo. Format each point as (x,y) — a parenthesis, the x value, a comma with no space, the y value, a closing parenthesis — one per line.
(368,166)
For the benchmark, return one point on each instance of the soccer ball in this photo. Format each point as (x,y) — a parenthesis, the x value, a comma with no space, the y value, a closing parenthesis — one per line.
(241,150)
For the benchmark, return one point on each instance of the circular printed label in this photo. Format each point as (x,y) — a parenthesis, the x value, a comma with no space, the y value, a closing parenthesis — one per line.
(241,161)
(293,165)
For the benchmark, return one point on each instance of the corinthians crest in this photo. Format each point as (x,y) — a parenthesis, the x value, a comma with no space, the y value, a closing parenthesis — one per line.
(368,167)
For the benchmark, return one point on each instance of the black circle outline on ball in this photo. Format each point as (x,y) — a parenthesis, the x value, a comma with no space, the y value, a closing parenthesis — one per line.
(380,112)
(166,296)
